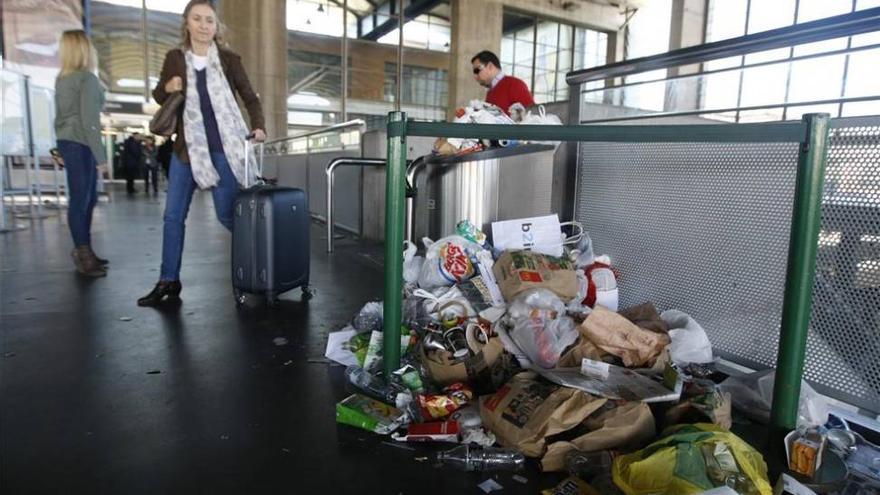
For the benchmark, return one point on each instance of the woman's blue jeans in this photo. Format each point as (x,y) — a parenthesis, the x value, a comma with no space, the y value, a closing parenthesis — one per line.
(82,177)
(180,191)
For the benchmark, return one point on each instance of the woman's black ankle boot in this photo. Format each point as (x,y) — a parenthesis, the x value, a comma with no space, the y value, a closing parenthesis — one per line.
(169,289)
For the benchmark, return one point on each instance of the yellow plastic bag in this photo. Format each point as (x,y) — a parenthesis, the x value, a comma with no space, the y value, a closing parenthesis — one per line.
(691,459)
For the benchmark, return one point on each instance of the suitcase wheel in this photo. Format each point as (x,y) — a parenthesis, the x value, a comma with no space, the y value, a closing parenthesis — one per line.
(240,298)
(271,300)
(307,293)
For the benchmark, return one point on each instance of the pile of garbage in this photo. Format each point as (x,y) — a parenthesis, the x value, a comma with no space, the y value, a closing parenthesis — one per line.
(522,354)
(480,112)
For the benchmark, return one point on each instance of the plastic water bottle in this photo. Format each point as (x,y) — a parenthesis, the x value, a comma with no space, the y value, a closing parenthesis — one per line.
(372,385)
(469,458)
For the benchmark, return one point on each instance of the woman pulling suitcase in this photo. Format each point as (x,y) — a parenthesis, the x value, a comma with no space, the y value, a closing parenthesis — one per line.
(209,147)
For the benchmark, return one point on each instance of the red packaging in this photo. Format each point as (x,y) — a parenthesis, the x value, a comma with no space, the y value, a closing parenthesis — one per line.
(444,431)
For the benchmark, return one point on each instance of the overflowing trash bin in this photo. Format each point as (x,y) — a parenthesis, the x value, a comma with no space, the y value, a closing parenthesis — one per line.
(519,357)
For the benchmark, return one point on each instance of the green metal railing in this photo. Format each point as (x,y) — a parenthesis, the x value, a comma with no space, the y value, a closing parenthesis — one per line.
(811,134)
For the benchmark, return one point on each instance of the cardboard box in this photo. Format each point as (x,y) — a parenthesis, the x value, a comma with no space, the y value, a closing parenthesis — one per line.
(517,271)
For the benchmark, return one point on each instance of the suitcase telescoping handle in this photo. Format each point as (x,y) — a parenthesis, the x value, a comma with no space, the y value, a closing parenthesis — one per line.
(248,143)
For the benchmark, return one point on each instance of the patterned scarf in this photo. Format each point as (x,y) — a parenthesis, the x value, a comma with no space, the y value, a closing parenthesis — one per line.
(229,121)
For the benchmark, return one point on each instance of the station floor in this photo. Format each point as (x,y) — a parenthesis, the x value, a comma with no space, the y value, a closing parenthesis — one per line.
(98,395)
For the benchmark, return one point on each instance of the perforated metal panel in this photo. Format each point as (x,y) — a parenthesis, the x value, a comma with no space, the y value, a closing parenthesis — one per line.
(843,350)
(705,227)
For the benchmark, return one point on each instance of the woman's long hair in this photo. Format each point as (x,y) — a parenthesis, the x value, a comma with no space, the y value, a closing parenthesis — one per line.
(184,32)
(76,52)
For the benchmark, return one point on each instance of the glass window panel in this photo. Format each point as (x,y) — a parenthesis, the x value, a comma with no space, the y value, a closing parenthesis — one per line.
(523,53)
(767,56)
(548,33)
(649,96)
(564,62)
(796,112)
(867,4)
(764,15)
(648,31)
(314,16)
(526,34)
(565,31)
(764,85)
(545,62)
(506,55)
(721,90)
(523,72)
(861,76)
(726,19)
(724,63)
(439,37)
(762,115)
(866,39)
(859,108)
(811,10)
(820,46)
(561,92)
(805,73)
(544,81)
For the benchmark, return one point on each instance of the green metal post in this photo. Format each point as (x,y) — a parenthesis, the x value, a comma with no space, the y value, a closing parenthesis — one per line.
(797,301)
(395,209)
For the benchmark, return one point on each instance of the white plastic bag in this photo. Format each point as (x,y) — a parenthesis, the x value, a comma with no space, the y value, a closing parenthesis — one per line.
(540,328)
(689,342)
(542,118)
(443,303)
(447,261)
(538,234)
(752,394)
(543,339)
(337,347)
(531,302)
(412,264)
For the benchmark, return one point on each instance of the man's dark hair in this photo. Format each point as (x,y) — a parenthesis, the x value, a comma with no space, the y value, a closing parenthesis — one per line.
(486,57)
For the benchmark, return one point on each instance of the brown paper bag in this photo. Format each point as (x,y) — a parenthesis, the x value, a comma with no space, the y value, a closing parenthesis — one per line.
(645,316)
(616,335)
(517,271)
(617,425)
(582,348)
(527,410)
(443,371)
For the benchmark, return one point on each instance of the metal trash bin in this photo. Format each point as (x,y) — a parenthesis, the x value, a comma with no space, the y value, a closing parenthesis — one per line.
(490,185)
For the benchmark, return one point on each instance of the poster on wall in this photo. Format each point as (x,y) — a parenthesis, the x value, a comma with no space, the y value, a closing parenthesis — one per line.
(31,29)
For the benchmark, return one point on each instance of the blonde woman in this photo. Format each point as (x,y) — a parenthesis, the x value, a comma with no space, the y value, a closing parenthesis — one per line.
(209,147)
(78,102)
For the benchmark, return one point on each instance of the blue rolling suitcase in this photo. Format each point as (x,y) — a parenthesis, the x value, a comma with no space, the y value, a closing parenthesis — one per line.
(270,242)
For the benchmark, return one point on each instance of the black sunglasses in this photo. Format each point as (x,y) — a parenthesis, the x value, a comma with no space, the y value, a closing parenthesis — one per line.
(479,69)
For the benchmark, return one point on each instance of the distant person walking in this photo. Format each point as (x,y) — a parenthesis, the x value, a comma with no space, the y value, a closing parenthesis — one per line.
(132,159)
(151,166)
(164,155)
(78,102)
(209,148)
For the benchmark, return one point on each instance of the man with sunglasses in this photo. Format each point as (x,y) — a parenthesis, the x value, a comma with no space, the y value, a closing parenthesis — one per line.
(504,91)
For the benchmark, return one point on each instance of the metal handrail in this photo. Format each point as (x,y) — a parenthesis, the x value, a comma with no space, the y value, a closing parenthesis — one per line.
(323,130)
(412,171)
(864,21)
(330,170)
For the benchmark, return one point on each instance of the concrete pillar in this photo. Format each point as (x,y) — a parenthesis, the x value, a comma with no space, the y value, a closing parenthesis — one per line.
(476,26)
(257,31)
(688,28)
